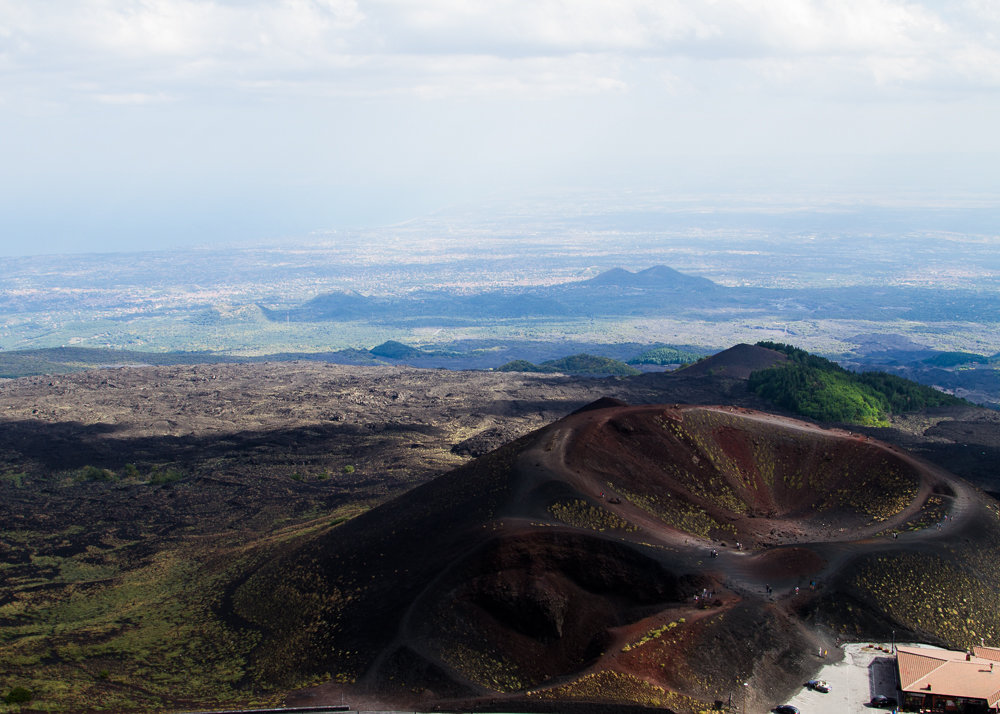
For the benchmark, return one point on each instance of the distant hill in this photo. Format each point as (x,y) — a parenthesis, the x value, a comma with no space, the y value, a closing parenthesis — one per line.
(395,350)
(659,290)
(659,277)
(581,364)
(616,291)
(737,362)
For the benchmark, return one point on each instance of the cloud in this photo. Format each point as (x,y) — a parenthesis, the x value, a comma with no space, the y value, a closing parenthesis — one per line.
(543,27)
(859,48)
(434,47)
(660,27)
(166,45)
(134,98)
(194,28)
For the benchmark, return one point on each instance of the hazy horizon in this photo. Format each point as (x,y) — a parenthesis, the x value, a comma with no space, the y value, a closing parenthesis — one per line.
(590,213)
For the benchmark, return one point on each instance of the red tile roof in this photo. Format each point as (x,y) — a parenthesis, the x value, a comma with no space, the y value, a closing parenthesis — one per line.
(923,670)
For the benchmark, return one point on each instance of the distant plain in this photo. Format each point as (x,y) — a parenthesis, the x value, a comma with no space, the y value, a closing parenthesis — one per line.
(870,285)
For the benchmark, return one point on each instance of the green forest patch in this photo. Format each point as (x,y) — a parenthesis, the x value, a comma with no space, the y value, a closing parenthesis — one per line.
(823,390)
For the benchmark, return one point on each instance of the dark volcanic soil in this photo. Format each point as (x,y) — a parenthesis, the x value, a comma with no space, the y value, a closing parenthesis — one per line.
(251,438)
(107,470)
(259,442)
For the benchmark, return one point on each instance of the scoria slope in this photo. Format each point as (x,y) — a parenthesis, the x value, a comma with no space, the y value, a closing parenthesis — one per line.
(654,555)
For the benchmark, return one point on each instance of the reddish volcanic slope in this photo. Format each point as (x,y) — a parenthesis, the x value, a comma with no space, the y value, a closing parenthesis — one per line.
(654,555)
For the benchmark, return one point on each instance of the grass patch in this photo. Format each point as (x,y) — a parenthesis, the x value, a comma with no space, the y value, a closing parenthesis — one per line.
(952,599)
(619,687)
(679,513)
(488,670)
(16,478)
(654,634)
(116,630)
(581,514)
(163,476)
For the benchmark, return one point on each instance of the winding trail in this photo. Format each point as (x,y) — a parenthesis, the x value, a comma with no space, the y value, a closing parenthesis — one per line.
(780,572)
(741,570)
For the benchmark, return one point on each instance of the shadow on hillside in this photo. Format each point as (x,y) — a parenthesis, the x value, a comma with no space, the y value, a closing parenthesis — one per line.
(64,446)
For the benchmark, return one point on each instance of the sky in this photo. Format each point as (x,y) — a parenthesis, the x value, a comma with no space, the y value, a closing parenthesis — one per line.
(134,124)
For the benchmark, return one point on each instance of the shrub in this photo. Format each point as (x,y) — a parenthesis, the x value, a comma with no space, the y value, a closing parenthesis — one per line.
(18,695)
(93,473)
(160,477)
(349,469)
(15,478)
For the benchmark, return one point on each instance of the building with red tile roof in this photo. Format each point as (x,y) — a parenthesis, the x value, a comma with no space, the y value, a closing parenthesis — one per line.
(945,680)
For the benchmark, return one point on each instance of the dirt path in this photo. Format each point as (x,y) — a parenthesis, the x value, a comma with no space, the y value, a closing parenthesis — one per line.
(740,570)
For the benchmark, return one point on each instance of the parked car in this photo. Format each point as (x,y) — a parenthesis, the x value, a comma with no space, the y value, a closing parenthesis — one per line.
(785,709)
(820,685)
(883,702)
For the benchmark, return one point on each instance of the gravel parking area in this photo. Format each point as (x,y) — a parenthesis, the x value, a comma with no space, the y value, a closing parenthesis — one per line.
(864,671)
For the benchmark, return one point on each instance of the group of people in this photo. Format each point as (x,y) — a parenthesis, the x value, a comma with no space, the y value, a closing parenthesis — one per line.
(705,595)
